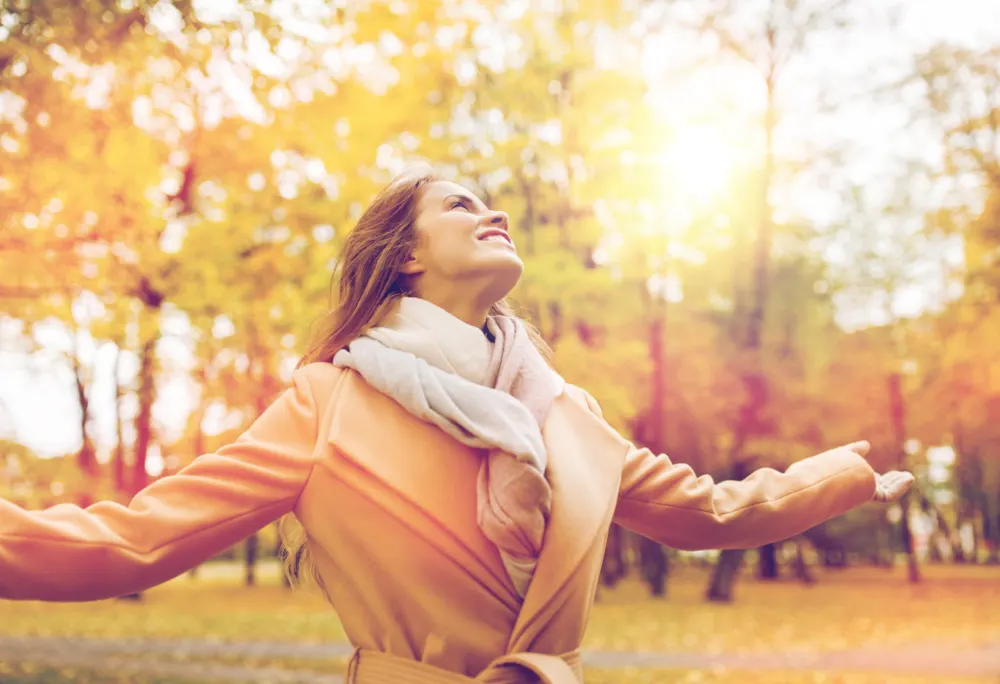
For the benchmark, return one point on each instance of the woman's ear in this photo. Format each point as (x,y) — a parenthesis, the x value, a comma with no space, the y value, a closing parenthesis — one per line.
(412,266)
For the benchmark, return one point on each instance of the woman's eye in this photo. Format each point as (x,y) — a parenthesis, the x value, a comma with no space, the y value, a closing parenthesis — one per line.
(459,203)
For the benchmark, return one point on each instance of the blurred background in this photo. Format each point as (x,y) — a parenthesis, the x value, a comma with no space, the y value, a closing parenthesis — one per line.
(753,230)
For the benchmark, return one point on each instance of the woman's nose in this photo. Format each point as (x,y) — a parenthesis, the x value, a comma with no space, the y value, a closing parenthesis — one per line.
(498,218)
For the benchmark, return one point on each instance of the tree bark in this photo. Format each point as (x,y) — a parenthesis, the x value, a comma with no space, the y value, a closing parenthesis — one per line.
(767,562)
(143,427)
(655,566)
(86,459)
(652,556)
(250,547)
(613,567)
(143,423)
(976,536)
(730,560)
(898,411)
(724,576)
(991,526)
(957,549)
(119,467)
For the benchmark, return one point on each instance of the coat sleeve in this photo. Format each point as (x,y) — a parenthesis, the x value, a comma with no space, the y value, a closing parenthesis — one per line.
(68,553)
(669,503)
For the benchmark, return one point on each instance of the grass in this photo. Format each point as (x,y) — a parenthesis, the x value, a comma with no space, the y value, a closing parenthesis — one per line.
(28,674)
(210,611)
(215,605)
(857,608)
(726,676)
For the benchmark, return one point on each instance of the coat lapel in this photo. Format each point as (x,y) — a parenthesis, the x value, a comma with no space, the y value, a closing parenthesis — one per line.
(418,475)
(584,470)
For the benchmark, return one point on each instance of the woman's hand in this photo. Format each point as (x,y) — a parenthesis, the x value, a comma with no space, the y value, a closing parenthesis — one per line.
(889,486)
(892,485)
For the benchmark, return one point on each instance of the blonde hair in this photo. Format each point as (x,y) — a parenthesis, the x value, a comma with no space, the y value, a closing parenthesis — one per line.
(366,285)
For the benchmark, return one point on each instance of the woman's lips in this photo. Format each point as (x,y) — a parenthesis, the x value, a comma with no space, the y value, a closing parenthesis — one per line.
(495,236)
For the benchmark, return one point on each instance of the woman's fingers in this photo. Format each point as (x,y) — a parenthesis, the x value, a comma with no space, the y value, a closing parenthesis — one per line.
(860,448)
(888,486)
(892,485)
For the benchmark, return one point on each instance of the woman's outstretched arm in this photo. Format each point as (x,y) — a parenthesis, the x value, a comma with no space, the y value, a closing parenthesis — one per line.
(669,503)
(67,553)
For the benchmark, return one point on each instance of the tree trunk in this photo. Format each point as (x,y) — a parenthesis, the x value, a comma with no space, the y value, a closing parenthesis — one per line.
(652,556)
(119,467)
(655,566)
(898,410)
(266,389)
(976,535)
(991,526)
(613,567)
(957,548)
(767,562)
(143,423)
(727,566)
(251,559)
(724,576)
(143,426)
(86,458)
(730,560)
(913,570)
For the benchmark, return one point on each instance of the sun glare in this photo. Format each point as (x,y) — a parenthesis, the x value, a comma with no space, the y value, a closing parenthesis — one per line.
(698,164)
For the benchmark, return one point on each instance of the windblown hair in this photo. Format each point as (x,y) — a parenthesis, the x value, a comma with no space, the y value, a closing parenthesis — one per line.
(366,285)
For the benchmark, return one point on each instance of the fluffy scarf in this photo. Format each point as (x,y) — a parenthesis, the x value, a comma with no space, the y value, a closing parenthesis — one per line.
(490,395)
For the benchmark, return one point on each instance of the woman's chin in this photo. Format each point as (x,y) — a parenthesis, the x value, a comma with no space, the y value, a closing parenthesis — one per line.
(498,258)
(503,274)
(510,263)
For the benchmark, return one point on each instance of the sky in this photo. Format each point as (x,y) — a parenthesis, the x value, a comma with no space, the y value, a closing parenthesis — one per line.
(38,406)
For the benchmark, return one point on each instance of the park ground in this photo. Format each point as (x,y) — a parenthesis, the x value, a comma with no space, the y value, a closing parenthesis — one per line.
(854,626)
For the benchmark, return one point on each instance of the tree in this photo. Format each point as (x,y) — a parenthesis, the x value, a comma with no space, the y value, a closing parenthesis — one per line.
(766,38)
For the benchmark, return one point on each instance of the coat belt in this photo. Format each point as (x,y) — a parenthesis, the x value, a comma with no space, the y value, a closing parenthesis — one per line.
(373,667)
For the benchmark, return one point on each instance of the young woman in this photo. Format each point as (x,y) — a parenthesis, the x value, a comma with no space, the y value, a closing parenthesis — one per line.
(454,493)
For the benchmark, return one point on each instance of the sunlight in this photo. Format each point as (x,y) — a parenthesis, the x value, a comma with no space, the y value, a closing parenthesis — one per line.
(698,165)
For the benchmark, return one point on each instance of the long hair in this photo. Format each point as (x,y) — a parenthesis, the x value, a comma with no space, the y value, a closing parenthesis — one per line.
(366,285)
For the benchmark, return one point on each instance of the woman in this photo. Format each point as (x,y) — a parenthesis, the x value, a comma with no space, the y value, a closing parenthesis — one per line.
(454,494)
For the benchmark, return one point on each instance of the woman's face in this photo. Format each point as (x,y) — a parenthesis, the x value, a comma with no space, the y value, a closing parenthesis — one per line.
(462,246)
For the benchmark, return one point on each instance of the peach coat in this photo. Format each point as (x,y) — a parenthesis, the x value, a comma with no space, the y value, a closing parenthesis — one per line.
(389,505)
